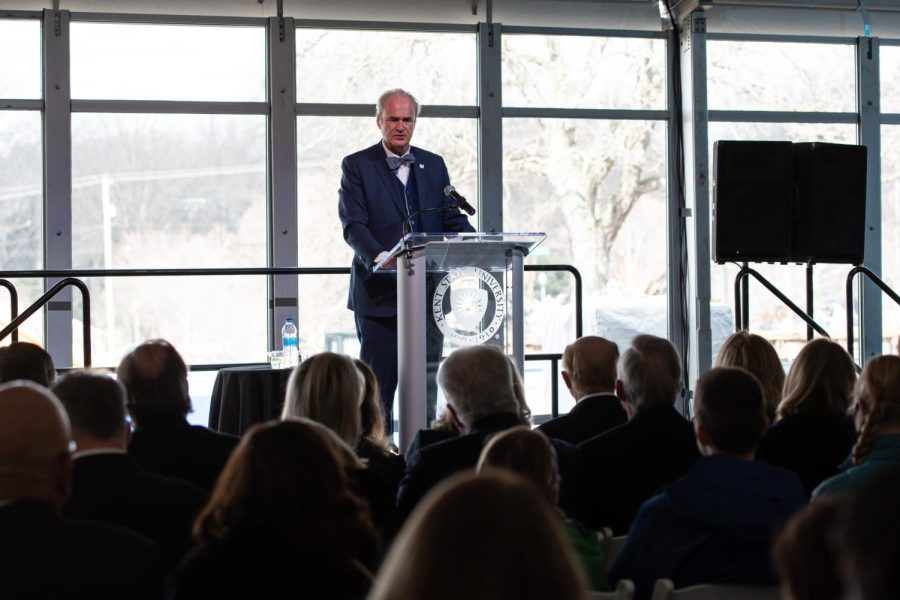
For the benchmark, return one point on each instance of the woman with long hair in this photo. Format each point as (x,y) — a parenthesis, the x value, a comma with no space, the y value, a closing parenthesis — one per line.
(282,520)
(813,433)
(754,353)
(876,409)
(481,538)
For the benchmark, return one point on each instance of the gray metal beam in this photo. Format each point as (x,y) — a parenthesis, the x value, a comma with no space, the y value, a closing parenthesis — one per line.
(490,128)
(696,179)
(8,104)
(868,88)
(57,133)
(171,107)
(612,114)
(569,31)
(431,111)
(282,157)
(776,116)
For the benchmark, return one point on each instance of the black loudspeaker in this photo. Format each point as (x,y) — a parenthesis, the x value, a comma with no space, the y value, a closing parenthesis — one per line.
(831,203)
(752,201)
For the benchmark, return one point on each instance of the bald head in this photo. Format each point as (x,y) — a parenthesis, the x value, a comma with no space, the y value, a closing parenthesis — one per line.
(34,443)
(155,379)
(589,366)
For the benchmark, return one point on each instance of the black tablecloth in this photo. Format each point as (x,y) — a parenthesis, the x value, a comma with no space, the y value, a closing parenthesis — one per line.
(244,396)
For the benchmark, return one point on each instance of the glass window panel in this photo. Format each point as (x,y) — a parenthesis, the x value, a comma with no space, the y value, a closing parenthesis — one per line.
(157,191)
(21,213)
(768,316)
(583,72)
(357,66)
(20,78)
(890,81)
(890,232)
(781,76)
(322,143)
(604,211)
(168,62)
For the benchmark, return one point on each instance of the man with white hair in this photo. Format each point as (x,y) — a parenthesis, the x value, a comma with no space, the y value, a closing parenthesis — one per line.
(44,555)
(624,466)
(478,384)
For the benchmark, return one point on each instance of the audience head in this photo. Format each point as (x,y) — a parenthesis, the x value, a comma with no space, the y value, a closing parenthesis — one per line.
(589,366)
(371,413)
(804,556)
(755,354)
(35,445)
(156,381)
(729,411)
(289,479)
(95,404)
(527,453)
(649,373)
(876,402)
(24,360)
(519,393)
(478,382)
(481,537)
(820,380)
(868,543)
(329,389)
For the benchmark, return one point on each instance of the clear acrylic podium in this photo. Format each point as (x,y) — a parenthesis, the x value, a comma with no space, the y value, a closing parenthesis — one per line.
(454,290)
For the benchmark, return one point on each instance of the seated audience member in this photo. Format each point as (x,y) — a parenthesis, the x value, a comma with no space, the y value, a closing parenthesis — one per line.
(530,454)
(868,540)
(481,537)
(283,522)
(478,382)
(156,384)
(445,426)
(755,354)
(628,464)
(26,361)
(328,388)
(876,406)
(716,524)
(107,484)
(805,557)
(813,434)
(374,445)
(43,554)
(589,370)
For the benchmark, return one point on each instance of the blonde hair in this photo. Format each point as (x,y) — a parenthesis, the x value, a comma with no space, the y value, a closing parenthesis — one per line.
(755,354)
(370,411)
(526,452)
(327,388)
(521,550)
(819,381)
(877,394)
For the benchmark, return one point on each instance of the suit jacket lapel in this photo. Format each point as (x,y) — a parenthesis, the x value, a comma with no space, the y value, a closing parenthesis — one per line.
(388,178)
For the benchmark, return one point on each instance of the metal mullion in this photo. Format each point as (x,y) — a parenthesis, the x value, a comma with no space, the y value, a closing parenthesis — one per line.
(890,119)
(283,237)
(490,127)
(151,19)
(36,104)
(434,111)
(774,116)
(869,134)
(21,14)
(57,140)
(384,26)
(796,39)
(170,107)
(610,114)
(584,32)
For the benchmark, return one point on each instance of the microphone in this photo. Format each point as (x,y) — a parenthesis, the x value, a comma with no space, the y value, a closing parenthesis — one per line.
(461,202)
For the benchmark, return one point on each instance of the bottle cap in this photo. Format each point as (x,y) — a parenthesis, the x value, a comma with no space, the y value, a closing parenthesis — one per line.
(289,320)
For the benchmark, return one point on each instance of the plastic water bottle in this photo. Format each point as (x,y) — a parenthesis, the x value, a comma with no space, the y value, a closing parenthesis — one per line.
(291,353)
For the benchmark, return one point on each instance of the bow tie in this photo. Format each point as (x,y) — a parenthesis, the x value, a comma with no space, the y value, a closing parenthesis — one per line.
(394,162)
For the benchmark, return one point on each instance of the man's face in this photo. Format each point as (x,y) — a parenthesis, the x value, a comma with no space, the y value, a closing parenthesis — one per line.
(397,122)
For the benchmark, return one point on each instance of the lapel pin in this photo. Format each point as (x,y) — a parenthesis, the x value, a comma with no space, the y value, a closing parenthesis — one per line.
(421,166)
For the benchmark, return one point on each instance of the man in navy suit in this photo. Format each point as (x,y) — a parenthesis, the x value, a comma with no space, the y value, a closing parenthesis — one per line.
(380,187)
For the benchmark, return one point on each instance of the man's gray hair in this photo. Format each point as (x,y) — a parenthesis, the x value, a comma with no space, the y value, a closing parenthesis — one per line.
(650,371)
(379,106)
(478,383)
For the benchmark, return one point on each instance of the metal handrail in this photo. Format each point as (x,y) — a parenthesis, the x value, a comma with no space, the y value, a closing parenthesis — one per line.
(554,382)
(13,304)
(579,329)
(45,298)
(745,272)
(874,279)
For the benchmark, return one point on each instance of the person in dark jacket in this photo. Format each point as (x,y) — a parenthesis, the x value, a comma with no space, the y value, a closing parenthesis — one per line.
(589,370)
(717,523)
(155,379)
